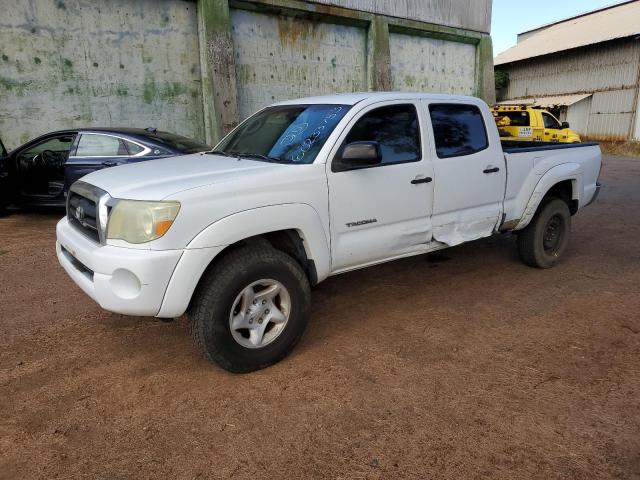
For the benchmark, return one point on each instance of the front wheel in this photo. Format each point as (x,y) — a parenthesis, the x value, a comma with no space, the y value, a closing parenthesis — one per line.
(543,242)
(250,309)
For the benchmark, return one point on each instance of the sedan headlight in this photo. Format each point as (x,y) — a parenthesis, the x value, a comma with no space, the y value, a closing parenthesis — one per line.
(136,221)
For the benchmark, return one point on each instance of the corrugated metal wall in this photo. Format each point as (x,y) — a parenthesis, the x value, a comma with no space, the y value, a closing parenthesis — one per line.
(431,65)
(636,135)
(578,116)
(608,70)
(279,58)
(606,66)
(471,15)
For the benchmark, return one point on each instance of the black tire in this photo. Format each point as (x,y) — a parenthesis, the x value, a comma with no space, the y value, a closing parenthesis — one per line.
(543,242)
(215,297)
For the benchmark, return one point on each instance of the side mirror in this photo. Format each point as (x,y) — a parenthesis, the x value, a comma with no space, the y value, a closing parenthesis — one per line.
(565,124)
(358,155)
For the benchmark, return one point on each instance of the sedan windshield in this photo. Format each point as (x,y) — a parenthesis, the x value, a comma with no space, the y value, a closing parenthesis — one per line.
(287,133)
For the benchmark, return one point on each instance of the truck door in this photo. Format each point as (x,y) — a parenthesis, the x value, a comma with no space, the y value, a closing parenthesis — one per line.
(469,176)
(383,211)
(552,127)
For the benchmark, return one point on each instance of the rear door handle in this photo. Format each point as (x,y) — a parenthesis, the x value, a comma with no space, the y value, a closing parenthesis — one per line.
(109,163)
(491,170)
(416,181)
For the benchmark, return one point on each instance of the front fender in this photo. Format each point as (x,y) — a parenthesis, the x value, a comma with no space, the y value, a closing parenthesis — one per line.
(236,227)
(257,221)
(567,171)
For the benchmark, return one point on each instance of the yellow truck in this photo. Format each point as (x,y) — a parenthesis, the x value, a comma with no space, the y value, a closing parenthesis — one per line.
(526,123)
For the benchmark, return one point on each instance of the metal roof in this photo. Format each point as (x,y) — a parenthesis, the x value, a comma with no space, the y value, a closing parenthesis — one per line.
(617,21)
(547,102)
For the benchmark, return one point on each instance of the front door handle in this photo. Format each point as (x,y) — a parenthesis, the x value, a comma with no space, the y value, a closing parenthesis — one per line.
(491,170)
(109,163)
(416,181)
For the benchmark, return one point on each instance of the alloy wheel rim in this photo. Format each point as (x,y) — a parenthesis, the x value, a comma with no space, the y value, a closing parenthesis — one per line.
(260,313)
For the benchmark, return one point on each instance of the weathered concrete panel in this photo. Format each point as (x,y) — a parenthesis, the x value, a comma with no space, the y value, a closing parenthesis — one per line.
(430,65)
(280,58)
(471,15)
(70,63)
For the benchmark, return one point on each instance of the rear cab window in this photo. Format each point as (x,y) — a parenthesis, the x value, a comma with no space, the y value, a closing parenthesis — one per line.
(458,129)
(513,119)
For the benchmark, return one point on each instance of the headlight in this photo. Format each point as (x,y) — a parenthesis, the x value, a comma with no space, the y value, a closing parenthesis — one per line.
(138,222)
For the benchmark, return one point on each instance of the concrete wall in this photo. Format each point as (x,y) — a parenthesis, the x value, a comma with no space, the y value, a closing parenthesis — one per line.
(432,65)
(198,67)
(70,63)
(269,50)
(610,71)
(278,58)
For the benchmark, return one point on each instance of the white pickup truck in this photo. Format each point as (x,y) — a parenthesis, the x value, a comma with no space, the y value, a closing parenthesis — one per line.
(305,189)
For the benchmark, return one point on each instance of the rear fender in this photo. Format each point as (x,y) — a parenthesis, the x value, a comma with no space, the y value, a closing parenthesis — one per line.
(560,173)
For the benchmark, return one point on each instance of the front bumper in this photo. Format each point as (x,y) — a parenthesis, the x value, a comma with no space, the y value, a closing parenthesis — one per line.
(122,280)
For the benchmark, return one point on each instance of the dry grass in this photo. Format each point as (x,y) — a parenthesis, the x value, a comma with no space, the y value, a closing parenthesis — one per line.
(627,149)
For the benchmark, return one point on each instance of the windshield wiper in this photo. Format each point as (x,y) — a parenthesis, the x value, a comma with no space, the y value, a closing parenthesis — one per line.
(218,152)
(265,158)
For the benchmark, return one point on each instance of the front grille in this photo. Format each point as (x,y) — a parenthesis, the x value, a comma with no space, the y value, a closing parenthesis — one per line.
(81,267)
(82,210)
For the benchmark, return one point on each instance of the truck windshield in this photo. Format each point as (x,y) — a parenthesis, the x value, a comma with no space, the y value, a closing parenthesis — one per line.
(287,133)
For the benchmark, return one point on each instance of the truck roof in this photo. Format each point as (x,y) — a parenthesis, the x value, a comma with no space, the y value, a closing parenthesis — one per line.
(357,97)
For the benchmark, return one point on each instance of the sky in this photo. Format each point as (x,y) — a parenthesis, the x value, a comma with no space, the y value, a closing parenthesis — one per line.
(511,17)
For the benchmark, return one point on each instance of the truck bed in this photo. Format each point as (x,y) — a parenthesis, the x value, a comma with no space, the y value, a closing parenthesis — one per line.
(518,146)
(528,165)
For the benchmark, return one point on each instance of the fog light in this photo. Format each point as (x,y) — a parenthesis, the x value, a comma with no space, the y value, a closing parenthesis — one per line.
(125,284)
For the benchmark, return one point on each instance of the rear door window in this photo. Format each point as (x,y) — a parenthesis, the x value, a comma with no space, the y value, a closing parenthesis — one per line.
(96,145)
(458,129)
(134,148)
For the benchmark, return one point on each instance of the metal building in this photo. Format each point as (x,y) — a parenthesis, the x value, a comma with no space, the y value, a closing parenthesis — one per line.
(197,67)
(586,68)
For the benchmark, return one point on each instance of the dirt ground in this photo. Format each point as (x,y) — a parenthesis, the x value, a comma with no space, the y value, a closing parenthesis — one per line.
(464,364)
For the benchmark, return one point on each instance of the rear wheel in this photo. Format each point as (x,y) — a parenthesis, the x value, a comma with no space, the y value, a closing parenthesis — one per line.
(250,309)
(543,242)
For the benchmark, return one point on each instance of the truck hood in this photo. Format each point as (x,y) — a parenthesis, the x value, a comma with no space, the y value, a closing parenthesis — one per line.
(158,179)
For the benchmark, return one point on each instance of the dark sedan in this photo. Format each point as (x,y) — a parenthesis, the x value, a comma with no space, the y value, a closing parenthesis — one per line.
(40,172)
